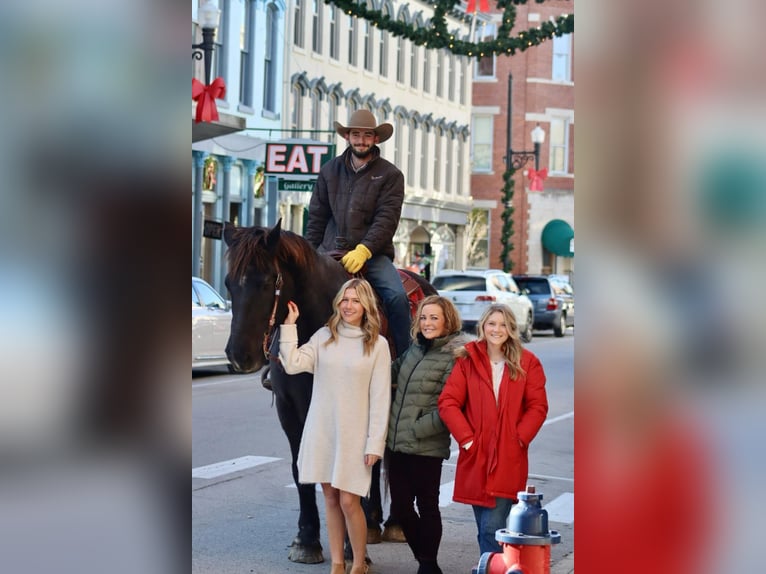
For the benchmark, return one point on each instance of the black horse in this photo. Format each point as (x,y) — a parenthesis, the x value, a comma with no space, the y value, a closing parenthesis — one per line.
(268,268)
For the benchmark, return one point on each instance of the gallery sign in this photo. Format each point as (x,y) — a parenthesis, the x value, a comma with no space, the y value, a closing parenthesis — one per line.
(297,158)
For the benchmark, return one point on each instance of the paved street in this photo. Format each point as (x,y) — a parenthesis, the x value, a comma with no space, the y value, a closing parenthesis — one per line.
(245,508)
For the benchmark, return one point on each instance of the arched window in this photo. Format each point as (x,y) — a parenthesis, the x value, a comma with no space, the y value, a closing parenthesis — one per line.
(412,164)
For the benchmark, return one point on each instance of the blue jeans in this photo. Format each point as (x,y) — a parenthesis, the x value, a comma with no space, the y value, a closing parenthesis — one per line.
(385,279)
(489,521)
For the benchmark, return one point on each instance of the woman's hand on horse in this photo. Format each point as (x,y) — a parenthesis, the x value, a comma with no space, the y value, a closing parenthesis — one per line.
(371,459)
(292,313)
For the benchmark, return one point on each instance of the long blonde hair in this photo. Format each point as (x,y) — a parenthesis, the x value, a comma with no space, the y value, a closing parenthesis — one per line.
(370,319)
(512,346)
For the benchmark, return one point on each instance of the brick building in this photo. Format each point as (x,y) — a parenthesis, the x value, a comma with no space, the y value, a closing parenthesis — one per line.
(541,82)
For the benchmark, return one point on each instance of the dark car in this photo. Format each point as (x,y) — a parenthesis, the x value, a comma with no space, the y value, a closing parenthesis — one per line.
(553,302)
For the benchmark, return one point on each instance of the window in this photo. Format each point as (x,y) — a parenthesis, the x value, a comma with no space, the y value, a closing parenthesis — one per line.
(353,26)
(426,70)
(399,123)
(296,118)
(270,59)
(460,165)
(334,34)
(424,159)
(463,78)
(485,67)
(369,45)
(452,77)
(316,109)
(449,162)
(439,74)
(438,133)
(333,101)
(559,150)
(383,63)
(245,49)
(481,142)
(219,52)
(316,26)
(411,165)
(414,66)
(298,24)
(562,58)
(400,55)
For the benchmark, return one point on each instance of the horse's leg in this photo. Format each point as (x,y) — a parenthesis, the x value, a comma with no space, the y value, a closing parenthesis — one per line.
(373,507)
(291,410)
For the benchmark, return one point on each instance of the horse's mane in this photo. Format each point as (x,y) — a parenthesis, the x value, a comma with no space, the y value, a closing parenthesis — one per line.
(248,245)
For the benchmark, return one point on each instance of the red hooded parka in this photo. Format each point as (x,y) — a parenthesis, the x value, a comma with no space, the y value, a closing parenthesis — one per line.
(496,465)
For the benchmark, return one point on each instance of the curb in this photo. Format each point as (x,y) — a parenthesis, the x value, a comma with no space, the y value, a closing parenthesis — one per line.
(564,566)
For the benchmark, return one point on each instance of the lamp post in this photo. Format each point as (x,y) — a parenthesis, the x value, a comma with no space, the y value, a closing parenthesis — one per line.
(517,159)
(209,16)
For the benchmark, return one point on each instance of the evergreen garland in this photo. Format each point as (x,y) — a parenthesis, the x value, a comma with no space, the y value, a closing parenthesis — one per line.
(439,37)
(507,216)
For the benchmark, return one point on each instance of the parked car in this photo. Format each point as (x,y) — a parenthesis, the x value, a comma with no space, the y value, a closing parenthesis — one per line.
(211,323)
(473,291)
(554,307)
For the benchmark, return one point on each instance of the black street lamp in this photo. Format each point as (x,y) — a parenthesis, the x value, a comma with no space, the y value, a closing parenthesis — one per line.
(209,15)
(517,159)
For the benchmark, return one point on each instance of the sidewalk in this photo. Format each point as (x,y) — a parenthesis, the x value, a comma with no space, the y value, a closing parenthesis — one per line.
(564,566)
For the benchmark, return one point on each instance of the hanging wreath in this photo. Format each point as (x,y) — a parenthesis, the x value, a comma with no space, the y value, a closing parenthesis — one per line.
(437,36)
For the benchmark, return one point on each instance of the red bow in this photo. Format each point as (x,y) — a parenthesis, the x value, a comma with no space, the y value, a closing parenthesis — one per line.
(536,178)
(483,6)
(205,97)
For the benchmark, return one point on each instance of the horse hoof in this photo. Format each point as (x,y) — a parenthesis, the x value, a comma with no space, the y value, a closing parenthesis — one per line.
(305,555)
(393,533)
(373,535)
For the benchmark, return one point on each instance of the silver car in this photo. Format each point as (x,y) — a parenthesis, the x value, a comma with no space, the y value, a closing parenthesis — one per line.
(211,323)
(473,291)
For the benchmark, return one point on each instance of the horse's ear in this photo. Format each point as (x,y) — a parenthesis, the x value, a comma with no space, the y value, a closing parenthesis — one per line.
(272,239)
(228,231)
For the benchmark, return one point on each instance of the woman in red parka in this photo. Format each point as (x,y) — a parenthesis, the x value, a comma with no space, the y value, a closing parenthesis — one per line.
(493,403)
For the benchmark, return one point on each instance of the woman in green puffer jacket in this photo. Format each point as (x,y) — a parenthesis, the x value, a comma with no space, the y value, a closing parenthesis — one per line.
(418,440)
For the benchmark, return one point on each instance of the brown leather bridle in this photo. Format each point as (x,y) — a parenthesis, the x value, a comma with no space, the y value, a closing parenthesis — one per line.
(270,329)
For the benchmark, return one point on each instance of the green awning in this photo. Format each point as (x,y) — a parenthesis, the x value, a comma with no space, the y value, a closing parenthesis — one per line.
(558,238)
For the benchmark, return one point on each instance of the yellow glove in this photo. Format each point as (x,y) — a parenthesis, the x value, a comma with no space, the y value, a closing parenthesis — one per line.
(355,259)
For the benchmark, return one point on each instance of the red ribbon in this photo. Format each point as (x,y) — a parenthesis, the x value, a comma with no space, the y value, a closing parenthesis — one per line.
(483,6)
(205,97)
(536,178)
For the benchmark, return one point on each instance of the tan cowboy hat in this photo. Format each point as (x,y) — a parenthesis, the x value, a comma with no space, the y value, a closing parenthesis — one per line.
(364,120)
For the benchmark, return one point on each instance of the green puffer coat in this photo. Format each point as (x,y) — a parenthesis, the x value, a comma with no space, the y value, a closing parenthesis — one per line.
(414,426)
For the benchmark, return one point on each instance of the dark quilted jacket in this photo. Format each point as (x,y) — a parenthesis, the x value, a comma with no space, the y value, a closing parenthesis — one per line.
(414,426)
(361,207)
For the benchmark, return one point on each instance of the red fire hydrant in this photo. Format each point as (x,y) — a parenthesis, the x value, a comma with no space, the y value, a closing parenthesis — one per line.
(526,541)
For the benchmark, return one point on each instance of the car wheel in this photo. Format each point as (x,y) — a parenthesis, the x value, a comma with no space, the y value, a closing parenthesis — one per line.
(526,335)
(561,328)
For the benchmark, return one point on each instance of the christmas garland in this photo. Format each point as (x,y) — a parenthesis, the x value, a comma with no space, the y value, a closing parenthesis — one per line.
(507,216)
(437,36)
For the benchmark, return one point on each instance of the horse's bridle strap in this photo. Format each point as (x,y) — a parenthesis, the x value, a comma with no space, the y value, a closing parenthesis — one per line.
(272,319)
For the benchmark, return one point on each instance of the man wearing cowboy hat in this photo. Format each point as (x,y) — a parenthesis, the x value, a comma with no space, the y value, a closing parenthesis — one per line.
(356,204)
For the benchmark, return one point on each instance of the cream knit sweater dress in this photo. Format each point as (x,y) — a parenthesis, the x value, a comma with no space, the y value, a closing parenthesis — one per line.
(350,402)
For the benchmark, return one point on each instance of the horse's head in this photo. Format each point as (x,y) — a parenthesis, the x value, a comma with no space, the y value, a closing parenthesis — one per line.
(252,283)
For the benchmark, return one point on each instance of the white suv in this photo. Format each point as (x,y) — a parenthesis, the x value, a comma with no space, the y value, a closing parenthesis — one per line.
(473,291)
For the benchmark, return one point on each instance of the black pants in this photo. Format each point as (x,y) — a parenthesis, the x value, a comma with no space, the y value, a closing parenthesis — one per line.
(416,478)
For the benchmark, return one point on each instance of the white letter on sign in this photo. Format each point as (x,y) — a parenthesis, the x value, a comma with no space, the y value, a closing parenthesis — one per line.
(275,159)
(297,159)
(316,152)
